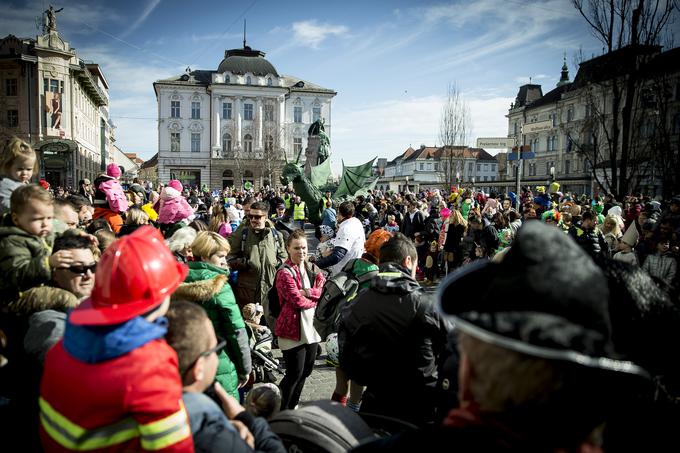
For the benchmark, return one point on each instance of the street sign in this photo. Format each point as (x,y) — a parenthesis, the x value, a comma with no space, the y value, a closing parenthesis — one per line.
(539,126)
(527,155)
(495,142)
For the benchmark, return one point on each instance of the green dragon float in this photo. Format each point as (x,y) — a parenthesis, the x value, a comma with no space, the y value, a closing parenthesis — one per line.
(355,181)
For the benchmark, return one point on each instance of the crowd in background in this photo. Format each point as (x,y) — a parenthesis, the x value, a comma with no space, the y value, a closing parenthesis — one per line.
(239,269)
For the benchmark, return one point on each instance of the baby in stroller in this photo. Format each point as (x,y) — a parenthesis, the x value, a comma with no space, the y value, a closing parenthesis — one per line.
(264,362)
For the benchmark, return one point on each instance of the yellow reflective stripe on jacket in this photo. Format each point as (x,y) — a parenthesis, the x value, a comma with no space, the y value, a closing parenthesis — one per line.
(299,211)
(154,436)
(167,431)
(389,274)
(74,437)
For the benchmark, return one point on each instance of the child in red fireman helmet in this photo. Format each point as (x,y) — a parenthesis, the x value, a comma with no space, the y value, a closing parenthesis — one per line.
(112,383)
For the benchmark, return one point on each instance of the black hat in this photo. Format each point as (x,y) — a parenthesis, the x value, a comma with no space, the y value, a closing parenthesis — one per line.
(138,189)
(546,298)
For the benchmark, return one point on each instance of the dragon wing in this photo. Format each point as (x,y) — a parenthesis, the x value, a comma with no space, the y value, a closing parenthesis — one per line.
(355,179)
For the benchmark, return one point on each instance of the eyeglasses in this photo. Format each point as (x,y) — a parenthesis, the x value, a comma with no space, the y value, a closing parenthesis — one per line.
(255,216)
(221,343)
(81,270)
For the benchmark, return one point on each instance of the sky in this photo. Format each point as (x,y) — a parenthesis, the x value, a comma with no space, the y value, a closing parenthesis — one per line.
(389,61)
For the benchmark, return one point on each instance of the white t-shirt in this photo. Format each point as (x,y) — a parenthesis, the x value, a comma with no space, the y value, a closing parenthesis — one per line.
(350,237)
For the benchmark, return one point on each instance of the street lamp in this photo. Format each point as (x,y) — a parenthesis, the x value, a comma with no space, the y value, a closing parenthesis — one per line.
(552,175)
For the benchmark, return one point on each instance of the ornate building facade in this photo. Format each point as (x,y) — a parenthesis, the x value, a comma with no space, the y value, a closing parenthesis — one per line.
(58,103)
(236,124)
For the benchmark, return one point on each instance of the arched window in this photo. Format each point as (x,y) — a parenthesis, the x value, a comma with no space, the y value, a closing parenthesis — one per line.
(248,81)
(226,143)
(248,174)
(248,143)
(226,79)
(228,173)
(269,143)
(269,81)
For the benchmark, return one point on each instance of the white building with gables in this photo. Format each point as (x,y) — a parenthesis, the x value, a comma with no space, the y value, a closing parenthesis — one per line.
(235,124)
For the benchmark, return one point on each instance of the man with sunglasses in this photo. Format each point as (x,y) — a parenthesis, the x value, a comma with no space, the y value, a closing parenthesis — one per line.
(256,252)
(227,428)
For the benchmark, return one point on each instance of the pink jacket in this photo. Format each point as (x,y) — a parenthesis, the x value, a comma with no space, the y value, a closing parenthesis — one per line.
(114,195)
(173,207)
(292,302)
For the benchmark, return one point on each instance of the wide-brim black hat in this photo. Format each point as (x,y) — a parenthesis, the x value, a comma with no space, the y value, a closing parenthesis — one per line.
(546,299)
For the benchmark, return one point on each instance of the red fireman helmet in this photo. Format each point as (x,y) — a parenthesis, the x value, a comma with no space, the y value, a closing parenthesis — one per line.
(134,275)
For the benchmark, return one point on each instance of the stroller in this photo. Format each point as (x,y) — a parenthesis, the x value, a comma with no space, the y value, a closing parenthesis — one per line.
(264,362)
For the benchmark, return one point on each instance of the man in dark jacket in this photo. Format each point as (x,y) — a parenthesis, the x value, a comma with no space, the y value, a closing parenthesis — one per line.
(413,221)
(590,238)
(214,429)
(390,338)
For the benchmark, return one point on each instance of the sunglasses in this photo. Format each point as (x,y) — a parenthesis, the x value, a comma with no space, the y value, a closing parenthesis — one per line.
(221,343)
(255,216)
(82,270)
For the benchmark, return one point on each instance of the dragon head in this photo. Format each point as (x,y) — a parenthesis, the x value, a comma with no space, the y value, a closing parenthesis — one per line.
(290,173)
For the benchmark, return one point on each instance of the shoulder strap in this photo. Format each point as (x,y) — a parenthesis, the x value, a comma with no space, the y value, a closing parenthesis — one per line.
(244,235)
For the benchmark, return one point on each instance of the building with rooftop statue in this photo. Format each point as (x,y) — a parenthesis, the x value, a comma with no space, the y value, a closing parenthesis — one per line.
(58,103)
(236,124)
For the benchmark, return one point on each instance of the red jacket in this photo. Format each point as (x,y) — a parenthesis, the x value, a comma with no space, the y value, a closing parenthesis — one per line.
(129,403)
(292,302)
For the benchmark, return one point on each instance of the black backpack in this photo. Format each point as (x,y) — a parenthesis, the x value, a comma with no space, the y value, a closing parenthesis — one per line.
(337,291)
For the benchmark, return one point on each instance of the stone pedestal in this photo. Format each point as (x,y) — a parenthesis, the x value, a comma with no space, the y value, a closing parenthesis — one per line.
(311,154)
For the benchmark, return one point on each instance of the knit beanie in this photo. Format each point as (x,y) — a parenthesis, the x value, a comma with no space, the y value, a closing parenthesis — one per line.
(113,170)
(175,184)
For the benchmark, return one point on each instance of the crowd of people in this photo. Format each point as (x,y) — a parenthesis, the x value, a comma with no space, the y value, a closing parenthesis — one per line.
(129,314)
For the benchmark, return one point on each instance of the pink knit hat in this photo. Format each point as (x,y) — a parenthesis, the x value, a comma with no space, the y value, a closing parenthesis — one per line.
(175,184)
(113,170)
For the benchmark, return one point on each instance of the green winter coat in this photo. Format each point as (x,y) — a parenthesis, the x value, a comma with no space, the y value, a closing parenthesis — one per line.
(208,286)
(24,260)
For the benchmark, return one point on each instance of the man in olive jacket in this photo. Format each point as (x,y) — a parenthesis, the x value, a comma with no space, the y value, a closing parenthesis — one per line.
(256,253)
(390,338)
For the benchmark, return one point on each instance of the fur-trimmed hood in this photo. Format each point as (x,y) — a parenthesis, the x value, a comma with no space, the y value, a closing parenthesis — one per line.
(44,298)
(200,291)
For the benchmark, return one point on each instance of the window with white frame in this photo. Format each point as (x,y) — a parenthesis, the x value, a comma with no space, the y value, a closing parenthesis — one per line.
(174,142)
(248,80)
(195,110)
(174,109)
(297,145)
(269,81)
(470,167)
(269,112)
(297,114)
(422,167)
(570,114)
(248,143)
(493,167)
(248,112)
(316,114)
(226,143)
(195,143)
(226,110)
(479,168)
(486,167)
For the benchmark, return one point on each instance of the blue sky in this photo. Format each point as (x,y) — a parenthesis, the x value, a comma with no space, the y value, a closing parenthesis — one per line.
(389,61)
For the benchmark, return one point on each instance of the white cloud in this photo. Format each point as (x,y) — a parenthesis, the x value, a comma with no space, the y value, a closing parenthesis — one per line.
(150,7)
(532,78)
(386,129)
(310,33)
